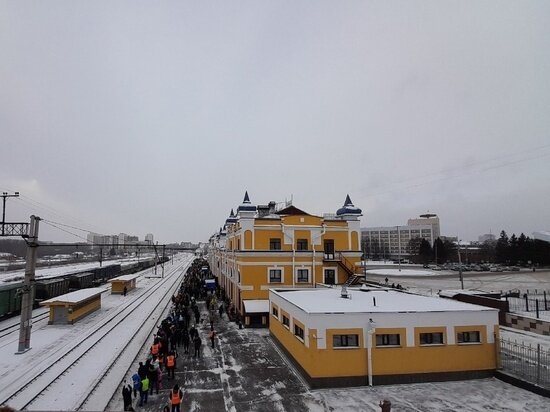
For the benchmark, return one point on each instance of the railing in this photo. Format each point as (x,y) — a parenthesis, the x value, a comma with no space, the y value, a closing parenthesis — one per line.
(533,303)
(14,229)
(530,363)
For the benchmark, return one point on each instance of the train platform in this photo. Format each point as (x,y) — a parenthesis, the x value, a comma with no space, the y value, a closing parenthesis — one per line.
(246,372)
(234,375)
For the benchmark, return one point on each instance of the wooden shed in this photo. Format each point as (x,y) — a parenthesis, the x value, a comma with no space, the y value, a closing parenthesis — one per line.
(125,281)
(68,308)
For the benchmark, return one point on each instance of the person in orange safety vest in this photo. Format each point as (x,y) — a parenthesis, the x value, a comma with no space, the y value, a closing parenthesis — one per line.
(176,396)
(171,364)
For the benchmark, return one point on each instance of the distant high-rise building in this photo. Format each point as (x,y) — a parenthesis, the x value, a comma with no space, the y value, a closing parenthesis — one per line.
(149,238)
(394,241)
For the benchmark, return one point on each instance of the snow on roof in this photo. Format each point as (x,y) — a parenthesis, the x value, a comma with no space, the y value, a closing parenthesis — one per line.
(362,301)
(210,281)
(256,306)
(125,277)
(77,296)
(449,293)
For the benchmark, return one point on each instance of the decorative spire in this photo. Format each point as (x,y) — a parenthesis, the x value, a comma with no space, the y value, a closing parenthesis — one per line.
(246,206)
(348,208)
(231,219)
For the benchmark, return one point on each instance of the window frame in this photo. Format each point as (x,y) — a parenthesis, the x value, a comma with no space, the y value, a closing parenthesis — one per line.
(388,344)
(468,341)
(281,277)
(274,241)
(346,338)
(299,332)
(286,321)
(431,342)
(275,312)
(300,243)
(298,270)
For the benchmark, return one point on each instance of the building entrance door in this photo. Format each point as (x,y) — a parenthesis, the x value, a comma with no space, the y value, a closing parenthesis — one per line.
(330,276)
(329,249)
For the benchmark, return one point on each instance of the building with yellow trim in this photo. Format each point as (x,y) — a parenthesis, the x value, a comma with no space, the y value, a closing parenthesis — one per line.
(339,337)
(261,247)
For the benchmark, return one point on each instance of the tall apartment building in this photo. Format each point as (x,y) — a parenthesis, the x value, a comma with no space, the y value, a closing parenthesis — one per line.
(149,238)
(390,242)
(267,246)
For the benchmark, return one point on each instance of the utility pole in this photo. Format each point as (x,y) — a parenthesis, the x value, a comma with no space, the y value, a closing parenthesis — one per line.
(4,196)
(28,287)
(398,249)
(163,258)
(459,263)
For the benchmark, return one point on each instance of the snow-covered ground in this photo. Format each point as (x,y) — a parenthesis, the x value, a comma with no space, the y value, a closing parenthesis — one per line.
(103,345)
(401,272)
(244,373)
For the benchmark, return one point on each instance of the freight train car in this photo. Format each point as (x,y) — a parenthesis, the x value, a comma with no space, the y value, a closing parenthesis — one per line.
(81,280)
(50,288)
(10,299)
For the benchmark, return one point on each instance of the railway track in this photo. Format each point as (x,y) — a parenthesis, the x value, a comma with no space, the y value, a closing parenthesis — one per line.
(47,388)
(8,330)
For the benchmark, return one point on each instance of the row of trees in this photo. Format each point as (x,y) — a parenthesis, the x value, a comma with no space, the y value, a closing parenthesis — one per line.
(513,250)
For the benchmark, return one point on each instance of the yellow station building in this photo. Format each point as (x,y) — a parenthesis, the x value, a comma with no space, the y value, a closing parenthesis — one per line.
(262,247)
(345,337)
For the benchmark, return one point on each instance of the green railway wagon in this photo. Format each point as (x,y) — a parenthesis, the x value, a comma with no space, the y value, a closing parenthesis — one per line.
(10,299)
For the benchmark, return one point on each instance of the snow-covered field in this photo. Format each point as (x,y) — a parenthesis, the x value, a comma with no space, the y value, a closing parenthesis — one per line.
(401,272)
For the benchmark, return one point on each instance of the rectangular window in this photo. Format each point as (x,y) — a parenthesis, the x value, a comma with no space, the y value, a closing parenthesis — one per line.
(302,275)
(275,275)
(301,244)
(286,321)
(299,332)
(275,312)
(274,244)
(435,338)
(392,339)
(345,341)
(468,337)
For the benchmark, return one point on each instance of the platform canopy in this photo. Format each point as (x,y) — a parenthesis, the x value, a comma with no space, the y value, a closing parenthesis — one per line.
(256,306)
(125,278)
(75,297)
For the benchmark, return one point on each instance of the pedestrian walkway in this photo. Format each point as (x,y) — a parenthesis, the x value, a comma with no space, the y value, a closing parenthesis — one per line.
(242,371)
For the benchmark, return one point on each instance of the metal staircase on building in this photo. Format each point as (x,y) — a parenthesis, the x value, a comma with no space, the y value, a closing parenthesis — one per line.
(346,265)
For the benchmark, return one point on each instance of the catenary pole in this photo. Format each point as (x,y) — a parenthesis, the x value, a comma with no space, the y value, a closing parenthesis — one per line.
(27,291)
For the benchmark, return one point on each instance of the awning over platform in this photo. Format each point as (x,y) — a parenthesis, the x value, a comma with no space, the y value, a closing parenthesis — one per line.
(256,306)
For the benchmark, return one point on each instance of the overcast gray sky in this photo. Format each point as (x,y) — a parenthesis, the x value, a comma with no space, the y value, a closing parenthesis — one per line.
(142,117)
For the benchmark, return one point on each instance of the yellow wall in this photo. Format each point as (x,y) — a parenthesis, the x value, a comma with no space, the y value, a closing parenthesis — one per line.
(352,362)
(85,309)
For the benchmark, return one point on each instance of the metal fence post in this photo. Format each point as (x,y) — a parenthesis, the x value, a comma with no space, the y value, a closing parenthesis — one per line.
(526,303)
(545,303)
(537,307)
(538,363)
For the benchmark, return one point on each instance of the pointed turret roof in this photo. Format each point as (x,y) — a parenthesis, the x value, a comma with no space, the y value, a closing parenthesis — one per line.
(348,208)
(246,206)
(231,219)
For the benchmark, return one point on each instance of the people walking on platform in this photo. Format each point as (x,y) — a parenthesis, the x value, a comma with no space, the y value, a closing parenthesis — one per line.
(153,376)
(212,336)
(193,332)
(136,381)
(176,396)
(197,342)
(185,340)
(220,311)
(127,395)
(171,364)
(155,347)
(143,391)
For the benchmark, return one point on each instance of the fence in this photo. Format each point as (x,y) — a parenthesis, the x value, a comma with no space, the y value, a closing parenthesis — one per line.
(529,363)
(533,303)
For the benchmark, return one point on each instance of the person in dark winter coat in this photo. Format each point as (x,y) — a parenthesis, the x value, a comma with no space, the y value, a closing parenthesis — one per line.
(127,395)
(185,340)
(142,370)
(136,380)
(197,344)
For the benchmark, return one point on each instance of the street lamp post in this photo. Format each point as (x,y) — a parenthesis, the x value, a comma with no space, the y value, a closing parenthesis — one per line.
(459,264)
(370,332)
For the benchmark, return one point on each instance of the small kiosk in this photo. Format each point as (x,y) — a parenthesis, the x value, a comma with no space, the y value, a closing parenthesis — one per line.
(68,308)
(125,281)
